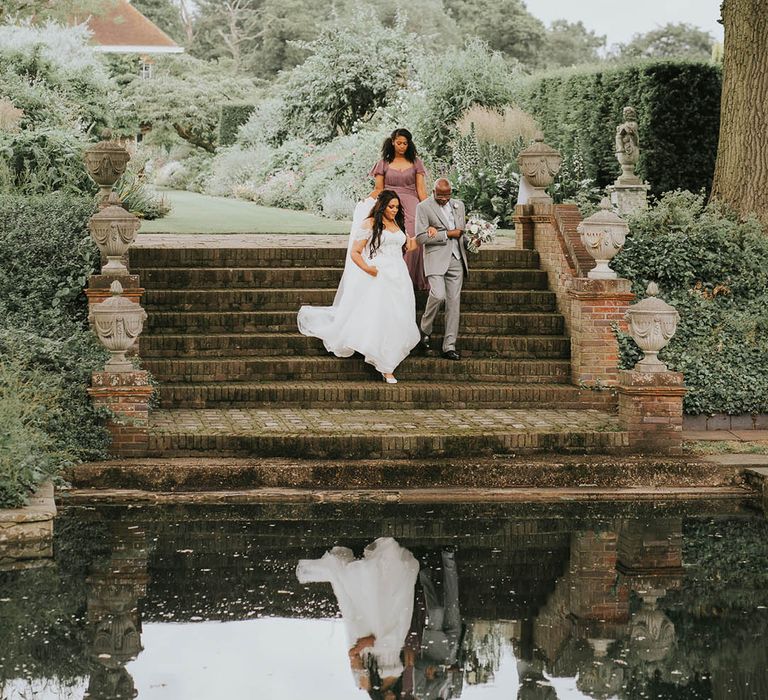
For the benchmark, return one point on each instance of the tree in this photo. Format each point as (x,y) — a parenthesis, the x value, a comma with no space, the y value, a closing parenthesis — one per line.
(166,14)
(505,25)
(741,169)
(670,41)
(42,10)
(570,44)
(227,29)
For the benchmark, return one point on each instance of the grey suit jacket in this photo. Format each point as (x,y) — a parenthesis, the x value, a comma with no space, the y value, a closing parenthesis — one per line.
(437,250)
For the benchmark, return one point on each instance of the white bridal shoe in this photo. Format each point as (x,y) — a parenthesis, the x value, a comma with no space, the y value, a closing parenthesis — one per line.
(388,380)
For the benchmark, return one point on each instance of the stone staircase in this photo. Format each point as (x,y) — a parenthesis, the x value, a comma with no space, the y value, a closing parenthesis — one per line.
(236,377)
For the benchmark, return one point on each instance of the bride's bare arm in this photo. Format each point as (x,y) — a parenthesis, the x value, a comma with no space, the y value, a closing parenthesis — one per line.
(357,257)
(378,187)
(410,244)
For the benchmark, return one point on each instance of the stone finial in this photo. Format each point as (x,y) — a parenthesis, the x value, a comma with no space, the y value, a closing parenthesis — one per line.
(627,143)
(118,322)
(603,235)
(105,162)
(539,164)
(652,323)
(113,229)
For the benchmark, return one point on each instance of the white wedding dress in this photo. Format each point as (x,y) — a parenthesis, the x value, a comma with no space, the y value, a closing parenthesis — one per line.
(375,595)
(375,316)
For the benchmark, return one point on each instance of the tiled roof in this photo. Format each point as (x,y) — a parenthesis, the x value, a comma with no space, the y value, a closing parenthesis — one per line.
(121,27)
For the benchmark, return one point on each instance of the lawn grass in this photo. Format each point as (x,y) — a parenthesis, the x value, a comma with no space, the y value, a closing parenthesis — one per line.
(200,213)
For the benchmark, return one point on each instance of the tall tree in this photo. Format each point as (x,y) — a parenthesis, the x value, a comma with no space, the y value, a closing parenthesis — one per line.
(670,41)
(41,10)
(741,169)
(570,44)
(166,14)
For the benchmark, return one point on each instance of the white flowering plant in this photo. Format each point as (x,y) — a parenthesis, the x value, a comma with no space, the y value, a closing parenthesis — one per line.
(479,231)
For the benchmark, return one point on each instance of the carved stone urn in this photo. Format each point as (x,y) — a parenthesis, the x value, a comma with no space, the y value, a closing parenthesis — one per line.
(603,235)
(118,322)
(106,162)
(539,164)
(652,323)
(113,229)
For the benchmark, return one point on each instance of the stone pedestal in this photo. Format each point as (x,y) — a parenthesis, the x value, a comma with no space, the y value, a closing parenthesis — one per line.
(594,306)
(127,396)
(628,198)
(98,288)
(651,408)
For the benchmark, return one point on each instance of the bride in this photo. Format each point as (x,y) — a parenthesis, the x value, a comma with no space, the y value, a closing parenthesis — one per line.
(374,312)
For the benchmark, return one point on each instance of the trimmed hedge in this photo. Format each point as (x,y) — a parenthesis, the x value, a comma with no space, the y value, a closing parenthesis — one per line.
(678,106)
(233,115)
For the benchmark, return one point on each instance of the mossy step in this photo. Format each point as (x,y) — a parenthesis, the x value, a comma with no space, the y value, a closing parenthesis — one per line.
(502,323)
(260,299)
(330,368)
(263,344)
(146,258)
(375,394)
(313,277)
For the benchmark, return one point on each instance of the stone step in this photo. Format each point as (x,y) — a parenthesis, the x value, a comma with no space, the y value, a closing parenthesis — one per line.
(375,394)
(313,277)
(291,299)
(330,368)
(264,344)
(505,323)
(374,434)
(142,259)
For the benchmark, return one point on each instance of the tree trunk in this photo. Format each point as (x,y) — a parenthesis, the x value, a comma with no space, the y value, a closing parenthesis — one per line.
(741,170)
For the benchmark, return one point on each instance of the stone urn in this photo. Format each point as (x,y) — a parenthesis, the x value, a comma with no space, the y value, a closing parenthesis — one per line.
(106,162)
(539,164)
(652,323)
(603,235)
(113,229)
(118,322)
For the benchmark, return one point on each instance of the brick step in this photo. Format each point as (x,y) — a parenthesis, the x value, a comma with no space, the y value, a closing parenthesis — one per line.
(145,258)
(375,394)
(263,344)
(260,299)
(285,321)
(330,368)
(312,277)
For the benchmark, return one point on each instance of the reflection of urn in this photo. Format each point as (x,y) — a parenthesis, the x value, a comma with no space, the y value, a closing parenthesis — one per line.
(539,164)
(602,678)
(106,162)
(118,322)
(652,634)
(113,230)
(603,235)
(652,323)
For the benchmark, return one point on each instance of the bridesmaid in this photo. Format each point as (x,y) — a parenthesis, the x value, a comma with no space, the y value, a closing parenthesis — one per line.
(402,171)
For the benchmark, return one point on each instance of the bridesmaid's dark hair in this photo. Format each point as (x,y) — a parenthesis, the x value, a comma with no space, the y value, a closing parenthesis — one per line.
(388,148)
(377,214)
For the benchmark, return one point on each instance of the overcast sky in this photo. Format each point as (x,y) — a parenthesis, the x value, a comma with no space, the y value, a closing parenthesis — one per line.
(619,20)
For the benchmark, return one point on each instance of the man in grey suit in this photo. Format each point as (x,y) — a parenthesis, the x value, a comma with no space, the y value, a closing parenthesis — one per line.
(440,222)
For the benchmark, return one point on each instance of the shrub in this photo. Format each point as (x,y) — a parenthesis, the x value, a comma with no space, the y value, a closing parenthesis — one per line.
(678,105)
(508,128)
(45,344)
(714,269)
(232,117)
(139,199)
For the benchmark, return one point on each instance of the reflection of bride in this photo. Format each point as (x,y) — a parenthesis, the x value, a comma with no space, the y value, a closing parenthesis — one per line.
(375,596)
(374,311)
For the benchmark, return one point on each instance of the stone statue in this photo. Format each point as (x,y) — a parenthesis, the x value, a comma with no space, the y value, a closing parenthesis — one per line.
(628,147)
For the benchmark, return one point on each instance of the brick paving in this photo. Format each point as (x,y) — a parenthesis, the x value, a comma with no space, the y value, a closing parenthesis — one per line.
(287,421)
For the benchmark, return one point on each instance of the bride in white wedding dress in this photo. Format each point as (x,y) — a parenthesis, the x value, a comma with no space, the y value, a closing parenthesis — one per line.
(374,312)
(375,596)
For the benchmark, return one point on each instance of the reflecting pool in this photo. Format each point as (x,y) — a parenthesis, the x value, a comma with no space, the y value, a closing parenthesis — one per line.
(500,601)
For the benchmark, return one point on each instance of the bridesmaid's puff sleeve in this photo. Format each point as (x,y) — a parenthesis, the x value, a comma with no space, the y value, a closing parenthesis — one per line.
(379,169)
(419,165)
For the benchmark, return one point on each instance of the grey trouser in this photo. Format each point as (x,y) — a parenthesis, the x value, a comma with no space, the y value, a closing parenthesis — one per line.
(440,638)
(445,288)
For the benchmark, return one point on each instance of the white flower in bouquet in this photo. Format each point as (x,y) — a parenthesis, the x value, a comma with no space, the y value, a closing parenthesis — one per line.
(479,231)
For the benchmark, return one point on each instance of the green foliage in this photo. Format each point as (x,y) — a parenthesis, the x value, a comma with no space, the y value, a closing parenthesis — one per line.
(46,348)
(714,269)
(451,84)
(678,105)
(570,44)
(670,41)
(139,199)
(165,14)
(232,117)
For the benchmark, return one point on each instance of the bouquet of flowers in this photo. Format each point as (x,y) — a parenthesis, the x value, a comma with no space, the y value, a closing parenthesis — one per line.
(479,231)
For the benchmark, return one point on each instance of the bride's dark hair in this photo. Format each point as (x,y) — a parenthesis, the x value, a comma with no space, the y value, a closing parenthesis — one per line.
(388,148)
(377,214)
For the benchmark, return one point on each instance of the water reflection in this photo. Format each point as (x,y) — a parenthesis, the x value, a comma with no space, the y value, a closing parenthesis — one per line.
(503,601)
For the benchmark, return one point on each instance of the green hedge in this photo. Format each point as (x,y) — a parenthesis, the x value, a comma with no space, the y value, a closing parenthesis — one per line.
(232,117)
(678,105)
(47,351)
